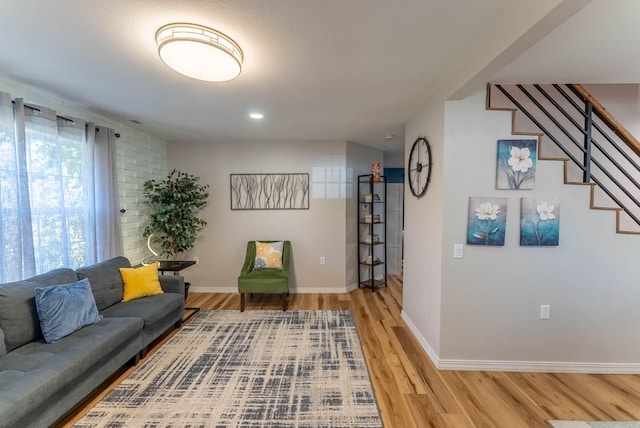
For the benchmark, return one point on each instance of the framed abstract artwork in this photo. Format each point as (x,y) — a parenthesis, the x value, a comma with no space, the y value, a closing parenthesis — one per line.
(539,221)
(487,219)
(516,164)
(269,191)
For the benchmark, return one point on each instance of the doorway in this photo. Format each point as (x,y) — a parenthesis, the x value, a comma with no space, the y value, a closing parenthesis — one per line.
(395,219)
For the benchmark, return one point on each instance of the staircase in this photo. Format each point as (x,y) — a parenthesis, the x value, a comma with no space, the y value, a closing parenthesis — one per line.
(574,128)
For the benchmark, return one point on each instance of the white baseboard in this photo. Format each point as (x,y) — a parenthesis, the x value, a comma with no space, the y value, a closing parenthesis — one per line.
(420,338)
(305,290)
(540,366)
(352,287)
(518,366)
(193,289)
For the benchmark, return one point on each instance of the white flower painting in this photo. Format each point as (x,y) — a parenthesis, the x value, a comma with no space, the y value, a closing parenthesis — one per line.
(487,221)
(516,164)
(539,221)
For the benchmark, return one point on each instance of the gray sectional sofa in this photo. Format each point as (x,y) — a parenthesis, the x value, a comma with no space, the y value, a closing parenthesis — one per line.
(40,382)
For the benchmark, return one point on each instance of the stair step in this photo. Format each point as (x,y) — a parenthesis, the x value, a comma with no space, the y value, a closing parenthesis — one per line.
(626,225)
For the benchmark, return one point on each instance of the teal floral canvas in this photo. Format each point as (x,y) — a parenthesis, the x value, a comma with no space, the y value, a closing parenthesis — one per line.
(539,221)
(486,221)
(516,164)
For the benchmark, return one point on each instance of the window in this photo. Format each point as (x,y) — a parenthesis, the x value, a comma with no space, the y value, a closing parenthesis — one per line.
(47,188)
(58,171)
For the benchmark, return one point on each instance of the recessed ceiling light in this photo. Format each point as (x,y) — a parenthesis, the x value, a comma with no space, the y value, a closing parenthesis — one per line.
(256,115)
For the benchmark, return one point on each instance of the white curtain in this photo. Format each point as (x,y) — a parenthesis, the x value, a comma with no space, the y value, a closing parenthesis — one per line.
(16,237)
(108,229)
(54,180)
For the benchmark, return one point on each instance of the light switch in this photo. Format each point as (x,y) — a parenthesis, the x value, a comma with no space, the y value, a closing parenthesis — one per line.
(458,252)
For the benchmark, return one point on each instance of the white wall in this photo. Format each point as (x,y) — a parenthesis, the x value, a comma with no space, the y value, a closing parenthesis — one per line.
(393,160)
(423,219)
(491,298)
(317,232)
(427,224)
(140,157)
(622,101)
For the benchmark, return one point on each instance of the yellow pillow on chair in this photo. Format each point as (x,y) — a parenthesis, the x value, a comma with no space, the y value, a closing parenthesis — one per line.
(268,255)
(140,282)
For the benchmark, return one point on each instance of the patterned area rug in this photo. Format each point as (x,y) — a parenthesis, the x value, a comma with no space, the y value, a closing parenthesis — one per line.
(593,424)
(249,369)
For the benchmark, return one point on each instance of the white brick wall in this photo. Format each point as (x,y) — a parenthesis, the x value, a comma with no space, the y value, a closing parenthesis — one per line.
(140,157)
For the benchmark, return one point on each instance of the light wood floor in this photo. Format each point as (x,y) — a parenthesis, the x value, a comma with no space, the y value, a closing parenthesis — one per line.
(411,392)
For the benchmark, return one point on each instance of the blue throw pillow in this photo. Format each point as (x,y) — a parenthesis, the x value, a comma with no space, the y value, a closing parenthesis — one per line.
(63,309)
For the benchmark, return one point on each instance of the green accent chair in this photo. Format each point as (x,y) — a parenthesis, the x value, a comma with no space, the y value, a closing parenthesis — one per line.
(264,281)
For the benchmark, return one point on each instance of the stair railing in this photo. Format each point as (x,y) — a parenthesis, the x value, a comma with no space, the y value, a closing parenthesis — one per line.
(588,135)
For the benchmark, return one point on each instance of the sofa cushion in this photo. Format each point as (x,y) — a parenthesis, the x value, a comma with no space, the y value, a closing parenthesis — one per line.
(151,309)
(63,309)
(158,313)
(105,280)
(76,352)
(140,282)
(267,281)
(18,317)
(3,347)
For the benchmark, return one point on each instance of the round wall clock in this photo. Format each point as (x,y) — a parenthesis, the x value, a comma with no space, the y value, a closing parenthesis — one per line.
(419,167)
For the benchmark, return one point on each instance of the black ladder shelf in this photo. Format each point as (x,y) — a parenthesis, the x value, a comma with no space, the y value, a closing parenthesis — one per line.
(372,234)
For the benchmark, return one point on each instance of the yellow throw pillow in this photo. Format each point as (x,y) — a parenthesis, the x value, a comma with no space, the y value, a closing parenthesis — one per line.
(268,255)
(140,282)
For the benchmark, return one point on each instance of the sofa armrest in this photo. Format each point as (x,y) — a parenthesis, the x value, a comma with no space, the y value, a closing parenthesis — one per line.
(172,283)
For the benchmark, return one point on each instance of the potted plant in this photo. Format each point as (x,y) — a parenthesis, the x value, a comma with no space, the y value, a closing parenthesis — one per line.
(175,202)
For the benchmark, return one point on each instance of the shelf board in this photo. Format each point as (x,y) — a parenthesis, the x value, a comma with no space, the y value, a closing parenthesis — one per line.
(372,243)
(376,283)
(375,222)
(371,264)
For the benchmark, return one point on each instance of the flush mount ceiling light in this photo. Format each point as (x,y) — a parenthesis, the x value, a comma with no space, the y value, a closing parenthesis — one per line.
(199,52)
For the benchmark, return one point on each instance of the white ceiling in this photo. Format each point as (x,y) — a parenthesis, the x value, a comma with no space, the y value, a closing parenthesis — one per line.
(599,44)
(322,70)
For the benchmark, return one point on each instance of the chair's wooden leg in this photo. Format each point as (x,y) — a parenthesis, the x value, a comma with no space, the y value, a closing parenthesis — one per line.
(241,302)
(285,301)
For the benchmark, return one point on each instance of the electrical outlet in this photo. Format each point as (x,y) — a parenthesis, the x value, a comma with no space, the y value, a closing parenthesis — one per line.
(197,260)
(322,260)
(545,312)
